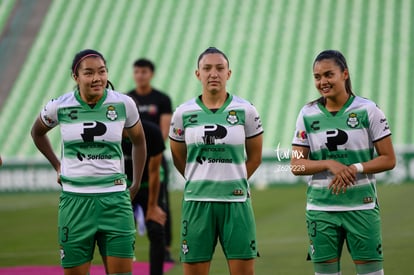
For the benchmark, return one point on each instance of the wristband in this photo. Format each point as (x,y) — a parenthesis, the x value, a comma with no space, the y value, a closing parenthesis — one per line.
(359,167)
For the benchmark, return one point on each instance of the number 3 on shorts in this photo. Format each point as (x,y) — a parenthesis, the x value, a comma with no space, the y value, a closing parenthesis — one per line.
(311,225)
(64,234)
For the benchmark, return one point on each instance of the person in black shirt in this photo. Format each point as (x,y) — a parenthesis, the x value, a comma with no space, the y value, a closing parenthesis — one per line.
(148,195)
(154,106)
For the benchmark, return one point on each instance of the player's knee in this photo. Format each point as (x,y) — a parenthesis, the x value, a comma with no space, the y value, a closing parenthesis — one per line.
(369,268)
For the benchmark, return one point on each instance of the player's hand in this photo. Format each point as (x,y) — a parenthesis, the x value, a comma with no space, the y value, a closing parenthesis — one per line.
(133,189)
(345,176)
(58,178)
(156,214)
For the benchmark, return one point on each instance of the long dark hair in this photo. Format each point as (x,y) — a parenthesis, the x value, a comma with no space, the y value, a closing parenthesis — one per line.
(339,60)
(80,56)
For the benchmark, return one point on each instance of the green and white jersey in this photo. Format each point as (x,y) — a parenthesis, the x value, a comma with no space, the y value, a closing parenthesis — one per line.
(346,137)
(92,159)
(215,167)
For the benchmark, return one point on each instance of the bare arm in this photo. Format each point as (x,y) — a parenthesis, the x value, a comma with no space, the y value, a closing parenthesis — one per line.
(139,155)
(179,155)
(42,142)
(154,213)
(165,122)
(254,154)
(385,159)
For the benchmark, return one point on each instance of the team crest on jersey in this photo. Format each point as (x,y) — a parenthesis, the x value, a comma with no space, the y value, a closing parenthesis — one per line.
(184,247)
(232,117)
(111,113)
(352,120)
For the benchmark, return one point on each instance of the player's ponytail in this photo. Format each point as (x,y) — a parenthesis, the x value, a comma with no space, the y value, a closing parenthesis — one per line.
(80,56)
(340,60)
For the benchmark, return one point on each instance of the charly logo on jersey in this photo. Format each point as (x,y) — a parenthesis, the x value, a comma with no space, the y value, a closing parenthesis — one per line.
(111,113)
(73,114)
(352,120)
(232,117)
(315,125)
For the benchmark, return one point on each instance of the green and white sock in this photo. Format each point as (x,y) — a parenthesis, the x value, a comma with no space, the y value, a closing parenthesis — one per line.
(371,268)
(327,268)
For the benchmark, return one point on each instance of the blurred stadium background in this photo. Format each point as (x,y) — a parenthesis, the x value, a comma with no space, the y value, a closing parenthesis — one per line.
(271,45)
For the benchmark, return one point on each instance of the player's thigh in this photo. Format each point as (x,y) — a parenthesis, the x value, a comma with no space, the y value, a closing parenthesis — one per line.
(78,270)
(76,229)
(116,235)
(201,268)
(241,267)
(326,235)
(363,234)
(237,229)
(115,265)
(198,232)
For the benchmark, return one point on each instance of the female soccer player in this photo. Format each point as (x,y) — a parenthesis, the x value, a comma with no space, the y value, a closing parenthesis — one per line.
(334,142)
(208,137)
(95,205)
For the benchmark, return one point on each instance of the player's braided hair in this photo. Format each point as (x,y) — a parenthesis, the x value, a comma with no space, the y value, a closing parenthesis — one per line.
(80,56)
(340,60)
(212,50)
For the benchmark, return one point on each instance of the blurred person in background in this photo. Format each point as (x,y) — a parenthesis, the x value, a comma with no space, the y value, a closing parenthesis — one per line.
(148,197)
(216,144)
(335,139)
(154,106)
(95,204)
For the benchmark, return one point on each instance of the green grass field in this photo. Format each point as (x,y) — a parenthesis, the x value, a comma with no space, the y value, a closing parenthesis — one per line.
(28,231)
